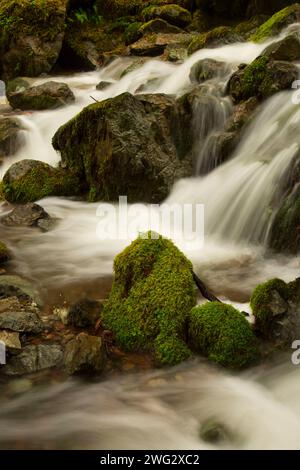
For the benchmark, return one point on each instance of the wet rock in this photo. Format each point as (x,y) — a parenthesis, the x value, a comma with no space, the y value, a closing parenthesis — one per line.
(207,69)
(214,433)
(50,95)
(242,114)
(223,145)
(176,53)
(32,42)
(34,358)
(27,215)
(155,44)
(276,305)
(103,85)
(287,49)
(145,150)
(84,313)
(31,180)
(4,253)
(11,339)
(137,62)
(284,236)
(22,321)
(10,140)
(262,78)
(84,354)
(11,285)
(173,14)
(158,26)
(214,38)
(10,304)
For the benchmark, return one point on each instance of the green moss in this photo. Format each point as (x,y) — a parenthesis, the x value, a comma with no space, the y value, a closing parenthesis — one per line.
(174,14)
(39,182)
(132,32)
(218,36)
(262,299)
(223,334)
(254,75)
(152,294)
(4,253)
(275,24)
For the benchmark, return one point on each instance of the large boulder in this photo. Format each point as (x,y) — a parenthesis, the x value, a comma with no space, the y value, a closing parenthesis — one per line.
(152,294)
(276,305)
(31,36)
(277,23)
(287,49)
(262,78)
(206,69)
(10,140)
(134,146)
(84,353)
(31,180)
(216,37)
(155,44)
(221,333)
(158,26)
(26,215)
(173,14)
(49,95)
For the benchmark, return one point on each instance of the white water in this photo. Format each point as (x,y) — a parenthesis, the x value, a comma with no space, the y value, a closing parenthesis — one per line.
(166,410)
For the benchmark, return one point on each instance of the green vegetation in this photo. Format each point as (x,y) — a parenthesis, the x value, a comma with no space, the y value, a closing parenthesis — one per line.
(276,23)
(152,294)
(255,74)
(223,334)
(217,36)
(90,15)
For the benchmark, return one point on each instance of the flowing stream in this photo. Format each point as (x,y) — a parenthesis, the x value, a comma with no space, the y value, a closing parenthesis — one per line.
(165,409)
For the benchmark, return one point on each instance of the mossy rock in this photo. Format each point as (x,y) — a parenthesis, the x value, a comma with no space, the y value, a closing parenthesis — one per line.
(31,180)
(173,14)
(158,26)
(277,23)
(152,294)
(119,8)
(31,36)
(262,78)
(275,306)
(285,231)
(49,95)
(10,140)
(287,49)
(218,36)
(4,253)
(223,335)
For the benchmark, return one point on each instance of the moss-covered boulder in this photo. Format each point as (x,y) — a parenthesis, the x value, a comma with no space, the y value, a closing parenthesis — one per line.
(277,23)
(223,335)
(152,294)
(158,26)
(133,145)
(10,140)
(275,305)
(173,14)
(262,78)
(50,95)
(31,35)
(31,180)
(155,44)
(4,253)
(216,37)
(287,49)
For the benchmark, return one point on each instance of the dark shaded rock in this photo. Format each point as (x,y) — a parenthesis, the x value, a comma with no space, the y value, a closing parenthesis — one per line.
(84,313)
(133,145)
(277,22)
(31,180)
(84,354)
(103,85)
(207,69)
(31,41)
(158,26)
(11,285)
(284,234)
(287,49)
(22,321)
(4,253)
(50,95)
(276,307)
(214,38)
(27,215)
(10,140)
(173,14)
(242,114)
(223,144)
(262,78)
(34,358)
(155,44)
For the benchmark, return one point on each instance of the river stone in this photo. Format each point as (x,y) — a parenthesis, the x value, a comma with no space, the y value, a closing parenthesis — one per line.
(9,304)
(84,354)
(11,339)
(11,285)
(50,95)
(206,69)
(173,14)
(27,215)
(34,358)
(10,140)
(103,85)
(22,321)
(83,313)
(155,44)
(158,26)
(286,49)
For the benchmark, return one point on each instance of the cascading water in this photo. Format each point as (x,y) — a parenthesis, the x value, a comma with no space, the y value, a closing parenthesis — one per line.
(166,409)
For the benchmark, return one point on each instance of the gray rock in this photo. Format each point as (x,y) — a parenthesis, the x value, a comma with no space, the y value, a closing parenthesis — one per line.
(155,44)
(103,85)
(34,358)
(84,354)
(11,339)
(22,321)
(50,95)
(286,49)
(11,285)
(27,215)
(207,69)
